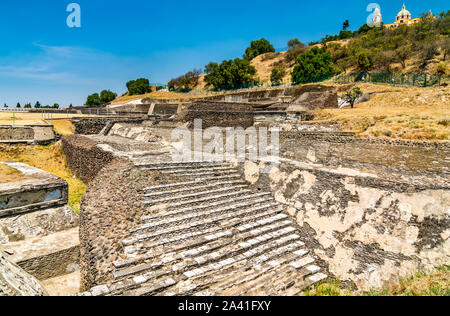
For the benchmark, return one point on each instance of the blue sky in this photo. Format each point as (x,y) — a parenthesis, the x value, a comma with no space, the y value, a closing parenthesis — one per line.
(41,58)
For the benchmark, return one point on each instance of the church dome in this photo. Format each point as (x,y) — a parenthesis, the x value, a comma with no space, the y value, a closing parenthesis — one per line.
(404,14)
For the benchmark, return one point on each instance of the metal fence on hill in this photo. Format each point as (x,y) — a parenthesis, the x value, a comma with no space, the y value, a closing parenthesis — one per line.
(412,80)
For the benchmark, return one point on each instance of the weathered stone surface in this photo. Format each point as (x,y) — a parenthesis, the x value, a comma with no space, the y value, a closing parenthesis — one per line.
(16,282)
(207,236)
(369,230)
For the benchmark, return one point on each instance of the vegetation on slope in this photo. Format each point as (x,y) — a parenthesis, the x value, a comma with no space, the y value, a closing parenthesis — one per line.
(48,158)
(434,283)
(9,174)
(398,112)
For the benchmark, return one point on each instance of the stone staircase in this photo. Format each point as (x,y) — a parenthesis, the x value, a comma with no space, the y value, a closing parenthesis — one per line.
(211,235)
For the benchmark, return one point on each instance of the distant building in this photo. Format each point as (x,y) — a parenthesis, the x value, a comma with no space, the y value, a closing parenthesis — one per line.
(403,18)
(377,17)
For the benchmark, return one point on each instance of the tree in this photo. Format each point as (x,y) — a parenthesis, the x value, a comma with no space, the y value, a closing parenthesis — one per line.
(93,100)
(211,67)
(70,106)
(107,96)
(312,64)
(346,25)
(364,61)
(186,82)
(5,105)
(294,43)
(37,105)
(402,54)
(18,105)
(138,86)
(278,73)
(27,106)
(55,106)
(257,48)
(231,74)
(352,95)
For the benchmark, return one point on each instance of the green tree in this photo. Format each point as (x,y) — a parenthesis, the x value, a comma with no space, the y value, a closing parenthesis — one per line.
(93,100)
(138,86)
(55,106)
(277,75)
(352,95)
(231,74)
(5,105)
(27,106)
(211,67)
(70,106)
(37,105)
(312,64)
(402,54)
(346,25)
(257,48)
(294,43)
(107,96)
(364,61)
(18,105)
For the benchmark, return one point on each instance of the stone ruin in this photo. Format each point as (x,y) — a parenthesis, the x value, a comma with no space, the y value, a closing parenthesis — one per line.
(363,211)
(38,232)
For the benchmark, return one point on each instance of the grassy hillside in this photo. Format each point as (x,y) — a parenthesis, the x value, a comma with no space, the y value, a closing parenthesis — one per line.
(48,158)
(396,112)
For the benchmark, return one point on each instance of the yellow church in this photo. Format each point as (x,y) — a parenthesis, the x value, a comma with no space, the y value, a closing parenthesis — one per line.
(403,18)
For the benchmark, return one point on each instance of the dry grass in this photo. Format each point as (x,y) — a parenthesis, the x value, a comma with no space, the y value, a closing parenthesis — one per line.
(64,127)
(434,283)
(404,113)
(32,118)
(8,174)
(48,158)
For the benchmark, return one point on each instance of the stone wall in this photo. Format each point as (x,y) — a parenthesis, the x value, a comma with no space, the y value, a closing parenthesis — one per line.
(37,134)
(84,157)
(52,265)
(220,114)
(109,211)
(368,230)
(377,155)
(16,282)
(89,126)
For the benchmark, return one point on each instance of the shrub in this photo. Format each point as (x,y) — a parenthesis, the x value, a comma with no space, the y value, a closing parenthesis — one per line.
(312,64)
(93,100)
(278,73)
(352,95)
(231,74)
(257,48)
(107,96)
(138,86)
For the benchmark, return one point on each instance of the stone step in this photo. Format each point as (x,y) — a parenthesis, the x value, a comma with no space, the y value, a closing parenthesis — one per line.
(205,174)
(181,164)
(254,199)
(194,186)
(253,269)
(201,200)
(196,266)
(199,246)
(191,216)
(243,251)
(189,183)
(197,195)
(181,169)
(202,236)
(192,225)
(237,273)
